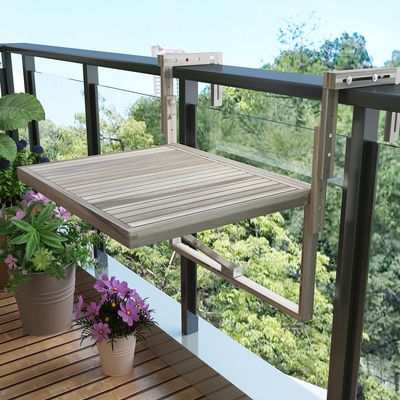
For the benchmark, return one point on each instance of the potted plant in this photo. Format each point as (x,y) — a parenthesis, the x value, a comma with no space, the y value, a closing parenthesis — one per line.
(16,111)
(114,322)
(44,245)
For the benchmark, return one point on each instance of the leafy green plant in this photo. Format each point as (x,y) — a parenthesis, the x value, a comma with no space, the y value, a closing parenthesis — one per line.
(16,111)
(11,188)
(42,237)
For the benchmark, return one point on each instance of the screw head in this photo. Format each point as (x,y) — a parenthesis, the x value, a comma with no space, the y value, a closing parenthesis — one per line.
(330,135)
(329,154)
(374,77)
(349,79)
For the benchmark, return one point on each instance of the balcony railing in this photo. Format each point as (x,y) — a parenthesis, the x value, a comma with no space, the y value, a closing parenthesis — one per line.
(360,168)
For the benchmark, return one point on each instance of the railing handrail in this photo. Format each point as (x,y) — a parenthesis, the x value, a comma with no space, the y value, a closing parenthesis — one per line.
(308,86)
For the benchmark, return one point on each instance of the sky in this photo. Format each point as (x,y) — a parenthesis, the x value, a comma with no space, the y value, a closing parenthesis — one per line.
(245,31)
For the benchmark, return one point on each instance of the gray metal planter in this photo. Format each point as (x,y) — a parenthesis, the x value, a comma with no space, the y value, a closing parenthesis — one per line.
(46,303)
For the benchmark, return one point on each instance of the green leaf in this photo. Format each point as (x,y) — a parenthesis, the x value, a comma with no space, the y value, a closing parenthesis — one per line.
(52,240)
(20,239)
(44,215)
(22,225)
(8,148)
(17,109)
(31,245)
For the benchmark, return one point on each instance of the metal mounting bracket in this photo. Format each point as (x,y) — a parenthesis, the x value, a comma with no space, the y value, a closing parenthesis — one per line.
(334,81)
(168,100)
(196,251)
(392,123)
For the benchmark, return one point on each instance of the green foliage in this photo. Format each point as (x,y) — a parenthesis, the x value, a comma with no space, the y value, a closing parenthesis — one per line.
(16,111)
(11,188)
(8,149)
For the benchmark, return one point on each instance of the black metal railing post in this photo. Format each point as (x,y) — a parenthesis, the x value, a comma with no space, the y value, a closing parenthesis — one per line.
(7,83)
(28,68)
(90,82)
(358,199)
(188,98)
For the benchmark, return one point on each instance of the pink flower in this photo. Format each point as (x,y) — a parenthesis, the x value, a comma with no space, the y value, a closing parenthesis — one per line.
(100,331)
(78,309)
(62,213)
(92,310)
(11,261)
(41,198)
(19,214)
(128,312)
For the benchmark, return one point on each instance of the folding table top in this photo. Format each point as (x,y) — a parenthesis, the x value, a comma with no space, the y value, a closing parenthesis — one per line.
(145,196)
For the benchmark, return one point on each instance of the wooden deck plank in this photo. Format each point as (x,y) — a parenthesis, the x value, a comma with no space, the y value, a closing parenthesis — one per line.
(59,367)
(145,196)
(107,387)
(186,394)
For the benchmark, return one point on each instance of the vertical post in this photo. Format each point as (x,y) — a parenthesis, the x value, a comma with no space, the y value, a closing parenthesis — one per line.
(28,68)
(358,199)
(90,82)
(188,97)
(7,83)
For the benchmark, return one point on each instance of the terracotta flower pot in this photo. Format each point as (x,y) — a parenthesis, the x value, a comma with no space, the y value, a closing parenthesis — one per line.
(117,361)
(46,303)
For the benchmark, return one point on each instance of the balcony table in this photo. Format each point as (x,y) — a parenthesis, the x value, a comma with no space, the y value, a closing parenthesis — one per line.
(145,196)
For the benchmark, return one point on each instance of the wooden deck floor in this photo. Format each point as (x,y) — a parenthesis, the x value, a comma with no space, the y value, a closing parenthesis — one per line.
(57,367)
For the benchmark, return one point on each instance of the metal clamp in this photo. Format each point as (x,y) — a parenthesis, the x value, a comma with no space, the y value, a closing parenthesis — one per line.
(168,108)
(334,81)
(392,123)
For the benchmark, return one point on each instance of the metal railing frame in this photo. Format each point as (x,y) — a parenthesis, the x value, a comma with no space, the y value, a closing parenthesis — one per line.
(360,172)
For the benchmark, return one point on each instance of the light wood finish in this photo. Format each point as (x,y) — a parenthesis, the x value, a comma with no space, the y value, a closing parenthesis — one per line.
(59,367)
(142,197)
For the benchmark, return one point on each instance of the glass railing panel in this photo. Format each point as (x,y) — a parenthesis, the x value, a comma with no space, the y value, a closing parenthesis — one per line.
(380,356)
(276,145)
(128,120)
(63,133)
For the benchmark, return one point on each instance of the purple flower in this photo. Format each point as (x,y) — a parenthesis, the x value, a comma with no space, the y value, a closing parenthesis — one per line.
(116,287)
(21,144)
(4,164)
(100,285)
(19,215)
(100,331)
(41,198)
(37,149)
(129,312)
(78,309)
(28,197)
(62,213)
(44,160)
(102,300)
(92,310)
(11,261)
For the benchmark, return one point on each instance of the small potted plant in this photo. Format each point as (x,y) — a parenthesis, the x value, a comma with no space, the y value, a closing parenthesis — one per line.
(44,245)
(114,322)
